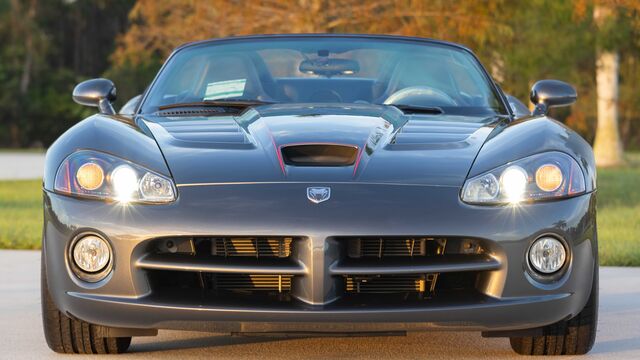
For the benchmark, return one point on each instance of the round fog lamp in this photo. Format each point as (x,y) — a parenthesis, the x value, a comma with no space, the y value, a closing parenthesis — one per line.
(91,254)
(547,255)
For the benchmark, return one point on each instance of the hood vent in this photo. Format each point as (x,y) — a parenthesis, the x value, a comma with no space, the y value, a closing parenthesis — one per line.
(319,155)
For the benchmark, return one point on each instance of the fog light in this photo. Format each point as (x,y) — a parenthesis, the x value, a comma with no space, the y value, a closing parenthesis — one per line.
(547,255)
(91,254)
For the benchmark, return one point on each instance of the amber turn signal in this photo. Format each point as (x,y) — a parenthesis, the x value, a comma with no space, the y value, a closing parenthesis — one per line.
(549,177)
(90,176)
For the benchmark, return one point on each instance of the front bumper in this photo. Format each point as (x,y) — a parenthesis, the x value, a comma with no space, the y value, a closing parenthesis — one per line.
(507,299)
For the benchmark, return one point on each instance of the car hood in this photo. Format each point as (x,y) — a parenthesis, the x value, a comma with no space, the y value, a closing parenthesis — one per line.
(389,146)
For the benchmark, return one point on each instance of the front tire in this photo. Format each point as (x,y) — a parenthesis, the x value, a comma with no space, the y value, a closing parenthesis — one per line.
(575,336)
(71,336)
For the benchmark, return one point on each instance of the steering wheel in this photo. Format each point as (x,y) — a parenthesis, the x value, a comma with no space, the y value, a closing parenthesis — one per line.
(420,96)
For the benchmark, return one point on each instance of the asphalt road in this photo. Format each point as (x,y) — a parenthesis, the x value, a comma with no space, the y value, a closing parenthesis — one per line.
(14,166)
(21,333)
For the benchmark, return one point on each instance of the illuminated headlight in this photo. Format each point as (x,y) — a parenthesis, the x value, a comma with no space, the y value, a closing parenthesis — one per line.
(547,255)
(545,176)
(91,254)
(125,182)
(98,175)
(514,183)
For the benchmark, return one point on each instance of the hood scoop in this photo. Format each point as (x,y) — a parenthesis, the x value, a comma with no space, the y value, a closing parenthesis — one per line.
(314,144)
(319,154)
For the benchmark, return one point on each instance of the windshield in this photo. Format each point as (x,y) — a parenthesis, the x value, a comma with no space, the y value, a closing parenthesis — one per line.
(326,70)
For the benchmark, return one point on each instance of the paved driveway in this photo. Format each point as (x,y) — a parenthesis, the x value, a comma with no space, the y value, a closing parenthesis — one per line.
(21,332)
(14,166)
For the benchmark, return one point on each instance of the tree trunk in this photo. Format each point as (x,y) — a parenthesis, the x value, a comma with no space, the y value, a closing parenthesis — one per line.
(24,23)
(607,146)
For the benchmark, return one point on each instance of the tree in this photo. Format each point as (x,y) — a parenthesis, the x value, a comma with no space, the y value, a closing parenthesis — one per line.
(47,46)
(618,28)
(23,45)
(607,146)
(158,26)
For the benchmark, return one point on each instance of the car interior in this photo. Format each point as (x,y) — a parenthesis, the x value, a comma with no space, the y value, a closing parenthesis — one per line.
(327,78)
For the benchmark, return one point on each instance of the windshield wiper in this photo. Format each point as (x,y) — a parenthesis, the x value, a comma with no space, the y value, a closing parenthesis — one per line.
(416,109)
(237,104)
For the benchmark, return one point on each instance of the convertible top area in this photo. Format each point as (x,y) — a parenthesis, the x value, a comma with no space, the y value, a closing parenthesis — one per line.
(356,69)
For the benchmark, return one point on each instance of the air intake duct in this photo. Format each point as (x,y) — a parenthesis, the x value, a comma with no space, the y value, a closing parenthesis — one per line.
(319,154)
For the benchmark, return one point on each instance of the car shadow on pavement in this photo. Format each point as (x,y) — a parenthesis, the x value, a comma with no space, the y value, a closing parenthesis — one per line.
(449,345)
(207,341)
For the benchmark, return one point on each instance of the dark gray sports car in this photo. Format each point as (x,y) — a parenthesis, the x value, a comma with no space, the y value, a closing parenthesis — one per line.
(316,184)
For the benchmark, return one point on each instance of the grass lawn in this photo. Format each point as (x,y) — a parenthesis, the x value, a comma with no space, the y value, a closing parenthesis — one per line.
(20,214)
(618,214)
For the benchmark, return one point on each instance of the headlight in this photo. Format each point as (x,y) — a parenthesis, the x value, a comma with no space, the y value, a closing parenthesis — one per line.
(98,175)
(545,176)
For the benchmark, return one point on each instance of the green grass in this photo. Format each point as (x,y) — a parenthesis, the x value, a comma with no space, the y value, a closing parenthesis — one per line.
(20,214)
(618,214)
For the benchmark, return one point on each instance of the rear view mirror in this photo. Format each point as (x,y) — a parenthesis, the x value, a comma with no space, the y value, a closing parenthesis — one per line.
(546,94)
(99,93)
(329,67)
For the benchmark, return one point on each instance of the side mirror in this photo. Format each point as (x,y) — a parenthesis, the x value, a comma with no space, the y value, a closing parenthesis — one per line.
(546,94)
(96,92)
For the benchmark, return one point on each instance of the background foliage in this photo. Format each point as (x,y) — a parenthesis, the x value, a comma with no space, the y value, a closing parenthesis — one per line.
(50,45)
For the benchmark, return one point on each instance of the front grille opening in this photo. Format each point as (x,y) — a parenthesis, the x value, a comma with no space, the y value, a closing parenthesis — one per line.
(252,246)
(257,247)
(222,267)
(220,286)
(175,282)
(395,247)
(421,284)
(457,281)
(250,282)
